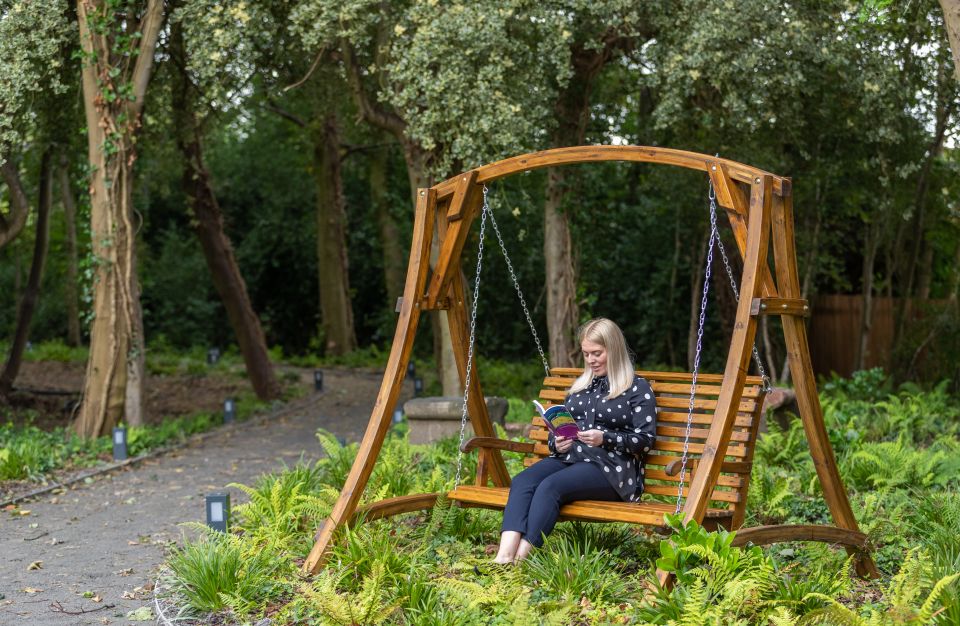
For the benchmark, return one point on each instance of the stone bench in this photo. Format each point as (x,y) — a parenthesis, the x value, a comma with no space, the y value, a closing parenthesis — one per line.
(431,419)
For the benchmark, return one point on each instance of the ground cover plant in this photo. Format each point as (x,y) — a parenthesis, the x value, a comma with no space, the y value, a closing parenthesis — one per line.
(435,567)
(31,448)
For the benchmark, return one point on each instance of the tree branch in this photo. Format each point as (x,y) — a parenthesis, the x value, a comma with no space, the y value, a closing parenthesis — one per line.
(287,115)
(149,31)
(19,205)
(368,109)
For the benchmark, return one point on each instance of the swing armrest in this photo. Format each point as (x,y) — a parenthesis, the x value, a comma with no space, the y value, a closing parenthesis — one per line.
(492,443)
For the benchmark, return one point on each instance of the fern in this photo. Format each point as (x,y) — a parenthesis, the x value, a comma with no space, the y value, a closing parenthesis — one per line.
(373,604)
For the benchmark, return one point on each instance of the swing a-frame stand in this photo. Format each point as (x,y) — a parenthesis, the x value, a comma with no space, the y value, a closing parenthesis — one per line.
(759,206)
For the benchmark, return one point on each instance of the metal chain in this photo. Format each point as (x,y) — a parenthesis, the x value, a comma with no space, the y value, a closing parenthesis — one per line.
(516,284)
(473,331)
(696,358)
(767,385)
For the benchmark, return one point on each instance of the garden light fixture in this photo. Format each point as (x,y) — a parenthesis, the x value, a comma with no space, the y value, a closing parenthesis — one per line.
(218,511)
(119,443)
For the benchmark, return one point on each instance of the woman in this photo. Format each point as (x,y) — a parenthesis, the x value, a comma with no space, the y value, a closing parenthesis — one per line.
(617,416)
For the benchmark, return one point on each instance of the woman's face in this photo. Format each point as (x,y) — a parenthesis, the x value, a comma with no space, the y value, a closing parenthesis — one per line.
(595,356)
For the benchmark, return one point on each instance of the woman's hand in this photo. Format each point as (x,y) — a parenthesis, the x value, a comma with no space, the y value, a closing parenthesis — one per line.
(592,437)
(562,444)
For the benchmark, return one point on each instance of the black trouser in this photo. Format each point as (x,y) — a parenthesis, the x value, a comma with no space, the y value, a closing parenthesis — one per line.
(538,492)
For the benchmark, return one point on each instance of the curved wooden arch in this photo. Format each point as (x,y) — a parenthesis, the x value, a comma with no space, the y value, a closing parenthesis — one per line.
(760,209)
(594,154)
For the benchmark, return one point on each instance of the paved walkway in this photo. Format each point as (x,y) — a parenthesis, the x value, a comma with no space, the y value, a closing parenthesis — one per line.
(107,537)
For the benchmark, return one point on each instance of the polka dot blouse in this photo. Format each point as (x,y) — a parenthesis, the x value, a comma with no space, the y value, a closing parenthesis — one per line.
(629,425)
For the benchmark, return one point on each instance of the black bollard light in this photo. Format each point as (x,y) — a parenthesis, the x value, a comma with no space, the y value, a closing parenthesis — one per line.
(229,410)
(119,443)
(411,370)
(318,380)
(218,511)
(213,356)
(417,386)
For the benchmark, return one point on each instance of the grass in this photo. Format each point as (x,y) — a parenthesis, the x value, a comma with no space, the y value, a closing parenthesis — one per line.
(434,568)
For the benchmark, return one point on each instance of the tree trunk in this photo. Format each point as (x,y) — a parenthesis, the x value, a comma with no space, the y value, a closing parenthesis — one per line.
(671,297)
(208,225)
(113,387)
(572,111)
(12,224)
(332,267)
(28,302)
(71,291)
(561,274)
(394,266)
(871,243)
(951,19)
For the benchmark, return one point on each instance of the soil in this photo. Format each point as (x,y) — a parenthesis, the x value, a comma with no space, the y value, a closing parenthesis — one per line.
(104,538)
(47,393)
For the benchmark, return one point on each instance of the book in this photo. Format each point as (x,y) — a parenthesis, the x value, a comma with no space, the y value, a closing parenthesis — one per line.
(558,420)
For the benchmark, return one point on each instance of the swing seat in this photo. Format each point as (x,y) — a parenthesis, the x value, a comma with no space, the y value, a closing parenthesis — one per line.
(728,501)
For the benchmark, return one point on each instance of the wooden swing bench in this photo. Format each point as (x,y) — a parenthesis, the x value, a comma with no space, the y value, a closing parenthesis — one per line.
(728,501)
(727,408)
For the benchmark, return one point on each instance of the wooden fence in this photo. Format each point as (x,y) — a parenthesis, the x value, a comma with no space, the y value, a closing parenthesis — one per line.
(835,332)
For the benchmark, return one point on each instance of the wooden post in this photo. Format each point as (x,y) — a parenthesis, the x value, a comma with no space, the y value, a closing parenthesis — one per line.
(738,359)
(393,377)
(801,368)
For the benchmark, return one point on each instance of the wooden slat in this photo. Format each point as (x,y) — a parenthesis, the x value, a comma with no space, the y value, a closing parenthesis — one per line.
(702,419)
(662,401)
(671,490)
(646,512)
(697,448)
(674,388)
(724,480)
(651,376)
(696,434)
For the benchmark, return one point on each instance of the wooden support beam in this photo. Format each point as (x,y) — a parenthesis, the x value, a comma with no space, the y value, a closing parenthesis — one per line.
(464,206)
(805,384)
(780,306)
(738,358)
(738,213)
(396,370)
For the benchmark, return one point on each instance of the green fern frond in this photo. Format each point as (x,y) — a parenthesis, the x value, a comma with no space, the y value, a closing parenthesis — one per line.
(928,608)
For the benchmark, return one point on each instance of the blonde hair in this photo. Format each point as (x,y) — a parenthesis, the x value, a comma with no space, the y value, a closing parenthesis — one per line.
(619,366)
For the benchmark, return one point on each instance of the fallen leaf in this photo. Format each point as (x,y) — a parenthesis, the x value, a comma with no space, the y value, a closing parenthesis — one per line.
(34,525)
(10,507)
(88,594)
(104,620)
(133,543)
(32,590)
(148,587)
(143,614)
(128,595)
(97,598)
(35,565)
(124,572)
(24,512)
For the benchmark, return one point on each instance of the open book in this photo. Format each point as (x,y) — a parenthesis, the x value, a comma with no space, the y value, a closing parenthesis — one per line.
(558,420)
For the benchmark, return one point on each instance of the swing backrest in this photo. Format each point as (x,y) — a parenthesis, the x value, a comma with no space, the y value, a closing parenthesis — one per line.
(672,390)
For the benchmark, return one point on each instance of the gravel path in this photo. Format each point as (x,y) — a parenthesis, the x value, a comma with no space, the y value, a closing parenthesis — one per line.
(106,537)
